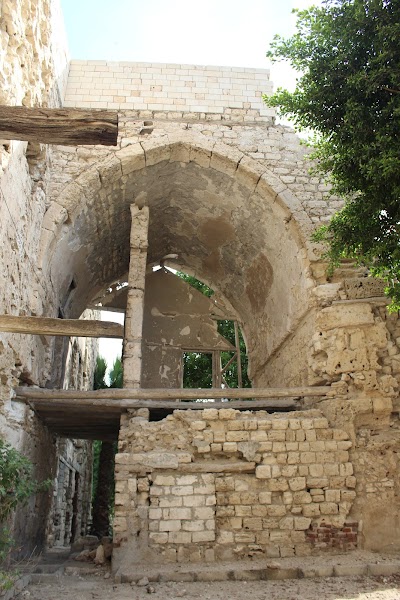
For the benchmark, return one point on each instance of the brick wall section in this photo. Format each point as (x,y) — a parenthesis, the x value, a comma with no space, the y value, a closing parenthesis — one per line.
(166,87)
(325,536)
(226,485)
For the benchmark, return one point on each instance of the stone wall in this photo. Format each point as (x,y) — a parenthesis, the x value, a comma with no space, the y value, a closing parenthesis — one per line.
(33,53)
(70,515)
(168,87)
(33,71)
(224,485)
(181,169)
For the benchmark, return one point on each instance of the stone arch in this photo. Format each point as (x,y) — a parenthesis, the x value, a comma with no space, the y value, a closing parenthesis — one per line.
(232,222)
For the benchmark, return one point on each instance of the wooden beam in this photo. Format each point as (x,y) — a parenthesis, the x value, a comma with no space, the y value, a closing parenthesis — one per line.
(65,327)
(171,394)
(105,404)
(64,126)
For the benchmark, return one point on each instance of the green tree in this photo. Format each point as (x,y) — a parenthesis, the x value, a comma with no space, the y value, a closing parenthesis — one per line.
(347,53)
(104,457)
(17,485)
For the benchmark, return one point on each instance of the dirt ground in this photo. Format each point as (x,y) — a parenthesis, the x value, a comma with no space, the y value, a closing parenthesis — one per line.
(330,588)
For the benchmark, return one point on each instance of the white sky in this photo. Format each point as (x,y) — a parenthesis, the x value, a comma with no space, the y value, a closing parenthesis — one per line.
(210,32)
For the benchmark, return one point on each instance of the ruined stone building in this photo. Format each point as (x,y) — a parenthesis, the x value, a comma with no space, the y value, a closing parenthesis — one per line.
(200,172)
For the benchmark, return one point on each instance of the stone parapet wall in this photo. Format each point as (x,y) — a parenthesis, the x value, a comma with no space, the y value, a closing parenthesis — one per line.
(167,87)
(225,485)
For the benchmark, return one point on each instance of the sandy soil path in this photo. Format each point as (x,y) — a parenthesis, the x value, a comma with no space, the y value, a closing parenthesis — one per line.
(331,588)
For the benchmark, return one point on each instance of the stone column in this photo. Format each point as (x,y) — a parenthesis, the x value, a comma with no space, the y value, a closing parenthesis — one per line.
(132,353)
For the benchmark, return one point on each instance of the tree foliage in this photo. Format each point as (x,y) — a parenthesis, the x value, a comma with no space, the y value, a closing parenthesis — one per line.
(17,485)
(104,457)
(348,55)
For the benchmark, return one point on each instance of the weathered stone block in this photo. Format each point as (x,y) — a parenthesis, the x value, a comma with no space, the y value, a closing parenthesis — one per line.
(265,497)
(180,537)
(302,498)
(184,480)
(198,425)
(180,513)
(227,414)
(279,424)
(332,496)
(276,510)
(158,538)
(171,501)
(286,523)
(263,472)
(171,525)
(345,315)
(155,513)
(206,512)
(297,483)
(182,490)
(230,447)
(197,525)
(237,436)
(346,469)
(311,510)
(328,508)
(203,536)
(210,414)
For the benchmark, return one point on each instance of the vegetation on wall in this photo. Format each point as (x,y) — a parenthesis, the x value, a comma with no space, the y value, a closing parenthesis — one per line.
(17,485)
(347,53)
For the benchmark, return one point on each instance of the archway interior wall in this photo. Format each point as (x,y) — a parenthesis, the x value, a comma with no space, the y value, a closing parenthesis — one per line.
(224,224)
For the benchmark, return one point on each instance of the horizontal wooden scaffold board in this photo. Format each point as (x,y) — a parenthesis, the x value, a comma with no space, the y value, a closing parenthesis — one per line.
(134,397)
(64,405)
(127,394)
(62,126)
(63,327)
(96,414)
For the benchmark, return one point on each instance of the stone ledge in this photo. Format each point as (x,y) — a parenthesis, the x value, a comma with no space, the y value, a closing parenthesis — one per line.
(253,571)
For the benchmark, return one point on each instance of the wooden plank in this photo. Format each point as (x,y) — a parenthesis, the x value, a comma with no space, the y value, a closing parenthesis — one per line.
(64,405)
(63,327)
(64,126)
(169,394)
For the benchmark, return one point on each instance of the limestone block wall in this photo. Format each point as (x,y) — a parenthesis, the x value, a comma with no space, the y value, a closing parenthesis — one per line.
(33,64)
(225,485)
(70,514)
(33,71)
(167,87)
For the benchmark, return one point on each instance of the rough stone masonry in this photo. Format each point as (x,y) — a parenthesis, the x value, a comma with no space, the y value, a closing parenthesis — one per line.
(228,191)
